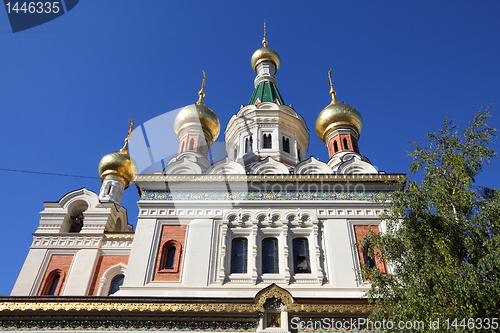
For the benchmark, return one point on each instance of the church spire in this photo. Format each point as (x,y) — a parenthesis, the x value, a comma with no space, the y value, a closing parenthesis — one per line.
(117,171)
(265,62)
(197,126)
(339,125)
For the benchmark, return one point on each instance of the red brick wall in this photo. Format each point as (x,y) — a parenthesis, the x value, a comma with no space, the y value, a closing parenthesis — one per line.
(200,144)
(361,232)
(103,264)
(60,262)
(339,138)
(177,235)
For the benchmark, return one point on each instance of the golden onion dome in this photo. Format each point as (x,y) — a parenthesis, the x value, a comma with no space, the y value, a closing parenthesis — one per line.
(119,164)
(198,115)
(265,54)
(337,115)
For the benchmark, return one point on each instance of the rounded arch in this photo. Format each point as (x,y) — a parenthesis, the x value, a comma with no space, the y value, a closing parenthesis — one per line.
(170,256)
(73,221)
(107,277)
(52,286)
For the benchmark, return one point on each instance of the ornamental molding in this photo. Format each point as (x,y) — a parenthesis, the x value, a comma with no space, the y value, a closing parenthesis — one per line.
(271,178)
(262,195)
(68,241)
(184,213)
(91,306)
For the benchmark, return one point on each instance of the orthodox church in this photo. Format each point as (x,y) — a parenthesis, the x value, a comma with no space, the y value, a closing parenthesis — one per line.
(263,240)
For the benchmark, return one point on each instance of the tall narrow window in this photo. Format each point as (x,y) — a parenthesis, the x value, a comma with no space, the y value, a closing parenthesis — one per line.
(182,146)
(286,145)
(301,260)
(239,252)
(170,258)
(54,283)
(268,144)
(116,284)
(298,154)
(191,144)
(335,146)
(345,143)
(369,260)
(248,144)
(270,261)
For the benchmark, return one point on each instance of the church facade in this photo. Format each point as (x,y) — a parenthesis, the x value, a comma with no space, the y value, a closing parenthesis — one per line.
(263,240)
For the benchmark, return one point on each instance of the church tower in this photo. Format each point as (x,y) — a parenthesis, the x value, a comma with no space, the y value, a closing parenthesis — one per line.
(266,128)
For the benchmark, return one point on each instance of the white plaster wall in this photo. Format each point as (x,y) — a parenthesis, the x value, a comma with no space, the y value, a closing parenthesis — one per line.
(140,254)
(81,272)
(338,253)
(196,258)
(31,268)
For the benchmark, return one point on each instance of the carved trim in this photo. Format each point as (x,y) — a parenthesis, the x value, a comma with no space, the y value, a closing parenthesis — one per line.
(29,306)
(274,178)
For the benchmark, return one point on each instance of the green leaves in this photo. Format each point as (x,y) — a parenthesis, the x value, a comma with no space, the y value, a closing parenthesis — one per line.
(443,233)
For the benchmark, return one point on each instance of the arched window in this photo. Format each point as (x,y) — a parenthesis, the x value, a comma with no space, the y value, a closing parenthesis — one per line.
(248,144)
(301,261)
(191,144)
(345,143)
(270,256)
(53,283)
(335,146)
(116,284)
(170,255)
(368,260)
(268,144)
(239,252)
(53,287)
(286,145)
(169,264)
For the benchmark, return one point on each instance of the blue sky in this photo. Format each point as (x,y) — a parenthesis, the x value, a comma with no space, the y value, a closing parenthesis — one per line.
(68,87)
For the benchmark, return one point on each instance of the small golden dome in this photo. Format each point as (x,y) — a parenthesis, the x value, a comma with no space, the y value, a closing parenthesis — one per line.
(198,115)
(337,115)
(119,164)
(265,54)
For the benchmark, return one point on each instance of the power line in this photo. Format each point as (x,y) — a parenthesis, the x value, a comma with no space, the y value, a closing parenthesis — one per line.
(48,173)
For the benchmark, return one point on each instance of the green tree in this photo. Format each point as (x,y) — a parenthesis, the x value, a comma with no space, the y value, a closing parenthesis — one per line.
(443,236)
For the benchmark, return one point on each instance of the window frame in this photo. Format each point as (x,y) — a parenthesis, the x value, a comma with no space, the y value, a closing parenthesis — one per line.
(275,255)
(244,256)
(295,256)
(166,247)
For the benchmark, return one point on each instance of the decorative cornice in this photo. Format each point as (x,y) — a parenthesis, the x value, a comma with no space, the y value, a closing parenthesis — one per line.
(128,235)
(264,195)
(270,178)
(143,307)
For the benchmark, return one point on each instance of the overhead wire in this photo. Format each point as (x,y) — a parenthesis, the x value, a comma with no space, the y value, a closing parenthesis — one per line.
(48,173)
